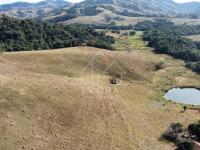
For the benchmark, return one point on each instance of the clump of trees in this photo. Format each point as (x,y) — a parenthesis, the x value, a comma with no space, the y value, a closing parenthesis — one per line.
(194,130)
(115,31)
(74,12)
(172,133)
(194,65)
(183,138)
(135,14)
(20,35)
(166,37)
(132,33)
(150,25)
(90,11)
(112,26)
(62,18)
(168,27)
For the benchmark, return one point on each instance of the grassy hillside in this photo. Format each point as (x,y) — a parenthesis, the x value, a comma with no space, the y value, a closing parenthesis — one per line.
(131,43)
(104,11)
(48,101)
(194,37)
(27,10)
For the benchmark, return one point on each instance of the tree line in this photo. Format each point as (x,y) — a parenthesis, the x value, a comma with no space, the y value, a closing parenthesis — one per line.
(112,26)
(168,27)
(74,12)
(20,35)
(166,37)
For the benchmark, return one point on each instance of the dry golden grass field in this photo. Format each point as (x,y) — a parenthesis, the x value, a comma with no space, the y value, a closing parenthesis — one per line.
(100,19)
(186,21)
(48,101)
(194,37)
(124,20)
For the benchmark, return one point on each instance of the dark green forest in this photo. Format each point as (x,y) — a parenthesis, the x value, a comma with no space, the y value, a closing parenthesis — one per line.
(112,26)
(166,37)
(168,27)
(20,35)
(74,12)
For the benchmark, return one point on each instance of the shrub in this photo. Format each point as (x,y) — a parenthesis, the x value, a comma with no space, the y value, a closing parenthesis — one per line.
(169,136)
(159,66)
(194,129)
(185,145)
(172,133)
(132,33)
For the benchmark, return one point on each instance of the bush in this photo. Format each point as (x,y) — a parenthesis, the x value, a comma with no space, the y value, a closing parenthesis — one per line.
(181,139)
(169,136)
(159,66)
(132,33)
(194,129)
(185,108)
(172,133)
(185,145)
(177,127)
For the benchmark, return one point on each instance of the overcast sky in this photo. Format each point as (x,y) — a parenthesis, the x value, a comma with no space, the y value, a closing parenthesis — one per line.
(73,1)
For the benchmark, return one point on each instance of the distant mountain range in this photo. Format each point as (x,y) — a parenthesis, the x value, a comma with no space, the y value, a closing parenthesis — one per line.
(32,10)
(61,10)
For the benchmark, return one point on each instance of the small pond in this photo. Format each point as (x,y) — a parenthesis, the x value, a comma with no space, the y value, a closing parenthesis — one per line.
(184,95)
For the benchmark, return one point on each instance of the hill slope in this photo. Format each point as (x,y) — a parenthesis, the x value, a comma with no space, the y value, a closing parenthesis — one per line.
(32,10)
(62,11)
(49,102)
(116,10)
(139,6)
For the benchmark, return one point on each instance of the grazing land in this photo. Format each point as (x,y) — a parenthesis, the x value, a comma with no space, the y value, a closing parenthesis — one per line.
(94,75)
(185,21)
(49,101)
(194,37)
(130,43)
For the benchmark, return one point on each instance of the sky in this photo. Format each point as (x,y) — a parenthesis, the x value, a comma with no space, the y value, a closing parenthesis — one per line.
(73,1)
(31,1)
(183,1)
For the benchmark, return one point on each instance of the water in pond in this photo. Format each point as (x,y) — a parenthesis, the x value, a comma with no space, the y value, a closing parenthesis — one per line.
(185,95)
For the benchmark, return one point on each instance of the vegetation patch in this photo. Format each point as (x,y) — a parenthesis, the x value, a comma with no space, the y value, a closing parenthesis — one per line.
(20,35)
(165,37)
(130,42)
(183,138)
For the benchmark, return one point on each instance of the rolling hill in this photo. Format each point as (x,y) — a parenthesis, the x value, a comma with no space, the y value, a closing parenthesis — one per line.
(49,102)
(104,10)
(65,99)
(116,9)
(98,11)
(32,10)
